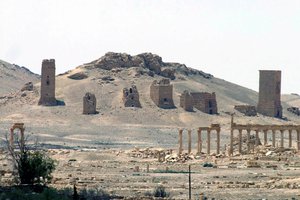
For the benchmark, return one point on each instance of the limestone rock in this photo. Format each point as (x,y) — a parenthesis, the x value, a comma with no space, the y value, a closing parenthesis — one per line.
(78,76)
(27,87)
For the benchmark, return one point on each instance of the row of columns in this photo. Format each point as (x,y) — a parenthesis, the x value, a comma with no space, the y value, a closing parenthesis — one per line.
(265,138)
(199,141)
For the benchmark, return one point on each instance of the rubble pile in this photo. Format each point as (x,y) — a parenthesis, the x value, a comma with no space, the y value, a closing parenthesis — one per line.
(163,155)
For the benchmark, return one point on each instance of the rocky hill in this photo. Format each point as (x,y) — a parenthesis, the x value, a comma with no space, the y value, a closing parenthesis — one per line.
(119,126)
(13,77)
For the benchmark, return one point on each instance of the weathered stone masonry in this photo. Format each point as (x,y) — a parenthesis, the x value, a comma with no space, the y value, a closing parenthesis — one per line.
(246,109)
(269,103)
(89,104)
(131,97)
(205,102)
(208,130)
(186,101)
(47,97)
(257,128)
(161,92)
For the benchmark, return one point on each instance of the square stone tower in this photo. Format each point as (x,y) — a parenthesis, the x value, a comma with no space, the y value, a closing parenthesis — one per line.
(161,93)
(186,101)
(89,104)
(47,97)
(205,102)
(269,103)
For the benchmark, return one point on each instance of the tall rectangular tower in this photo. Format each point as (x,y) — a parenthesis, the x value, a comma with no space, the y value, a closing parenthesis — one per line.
(269,103)
(47,97)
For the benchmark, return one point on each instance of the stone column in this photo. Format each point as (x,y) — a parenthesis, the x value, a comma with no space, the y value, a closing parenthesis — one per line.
(240,140)
(231,142)
(273,138)
(248,140)
(208,141)
(298,140)
(199,144)
(265,137)
(180,142)
(218,141)
(22,139)
(281,138)
(11,139)
(189,141)
(256,138)
(290,138)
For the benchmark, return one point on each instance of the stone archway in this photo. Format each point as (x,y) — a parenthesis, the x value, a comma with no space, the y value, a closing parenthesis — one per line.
(21,127)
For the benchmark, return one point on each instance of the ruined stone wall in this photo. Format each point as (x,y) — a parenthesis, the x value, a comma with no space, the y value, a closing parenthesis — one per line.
(246,109)
(161,92)
(205,102)
(47,97)
(186,101)
(269,103)
(89,104)
(131,97)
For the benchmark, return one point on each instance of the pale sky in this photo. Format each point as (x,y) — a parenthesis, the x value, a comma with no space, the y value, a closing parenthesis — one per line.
(230,39)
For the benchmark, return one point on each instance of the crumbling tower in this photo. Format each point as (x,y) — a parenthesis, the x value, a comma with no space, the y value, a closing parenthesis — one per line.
(131,97)
(161,93)
(47,97)
(89,104)
(186,101)
(269,103)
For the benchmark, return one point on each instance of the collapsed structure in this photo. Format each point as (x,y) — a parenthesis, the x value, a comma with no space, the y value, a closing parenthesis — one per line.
(131,97)
(246,110)
(161,93)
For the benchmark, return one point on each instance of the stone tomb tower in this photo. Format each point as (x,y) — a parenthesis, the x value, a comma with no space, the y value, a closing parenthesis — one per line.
(89,104)
(131,97)
(205,102)
(186,101)
(161,92)
(269,103)
(47,97)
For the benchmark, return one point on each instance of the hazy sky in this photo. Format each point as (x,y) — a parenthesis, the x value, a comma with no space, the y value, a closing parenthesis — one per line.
(230,39)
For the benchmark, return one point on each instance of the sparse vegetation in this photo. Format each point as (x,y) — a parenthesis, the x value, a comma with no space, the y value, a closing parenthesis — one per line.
(160,191)
(33,166)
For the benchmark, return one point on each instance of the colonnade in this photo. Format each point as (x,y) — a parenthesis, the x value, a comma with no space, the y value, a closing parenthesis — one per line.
(213,127)
(257,128)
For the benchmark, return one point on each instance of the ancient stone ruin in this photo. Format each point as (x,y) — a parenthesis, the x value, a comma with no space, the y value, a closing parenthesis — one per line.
(205,102)
(131,97)
(186,101)
(246,110)
(257,128)
(89,104)
(208,130)
(47,97)
(269,103)
(21,141)
(161,92)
